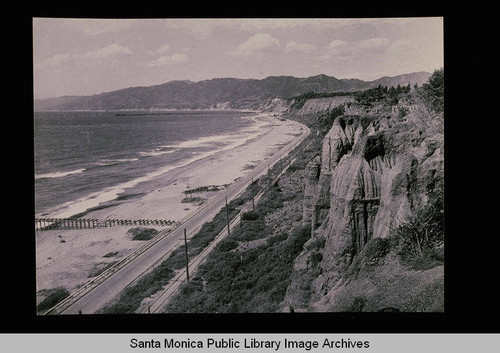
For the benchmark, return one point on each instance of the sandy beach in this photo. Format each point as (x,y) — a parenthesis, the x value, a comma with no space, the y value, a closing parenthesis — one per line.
(69,258)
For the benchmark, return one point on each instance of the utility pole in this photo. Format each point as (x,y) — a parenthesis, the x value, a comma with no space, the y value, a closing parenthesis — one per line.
(253,201)
(187,259)
(227,217)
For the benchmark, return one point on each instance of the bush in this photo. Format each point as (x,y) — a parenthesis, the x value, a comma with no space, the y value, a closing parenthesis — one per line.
(315,258)
(250,216)
(376,249)
(253,280)
(142,233)
(54,296)
(227,245)
(420,239)
(131,298)
(276,239)
(327,120)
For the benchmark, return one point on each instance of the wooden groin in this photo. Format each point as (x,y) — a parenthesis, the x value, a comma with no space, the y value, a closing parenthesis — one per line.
(42,224)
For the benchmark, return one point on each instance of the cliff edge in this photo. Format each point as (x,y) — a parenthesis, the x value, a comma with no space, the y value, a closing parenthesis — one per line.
(378,244)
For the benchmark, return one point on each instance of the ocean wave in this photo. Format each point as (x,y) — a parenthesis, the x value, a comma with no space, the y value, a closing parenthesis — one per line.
(156,152)
(218,142)
(95,199)
(109,162)
(59,174)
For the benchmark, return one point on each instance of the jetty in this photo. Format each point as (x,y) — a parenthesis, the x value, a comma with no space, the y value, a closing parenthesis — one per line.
(42,224)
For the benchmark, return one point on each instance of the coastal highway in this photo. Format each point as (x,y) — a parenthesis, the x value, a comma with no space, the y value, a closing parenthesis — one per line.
(103,289)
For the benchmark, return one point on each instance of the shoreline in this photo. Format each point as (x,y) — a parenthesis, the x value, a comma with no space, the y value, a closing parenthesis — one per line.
(65,258)
(159,110)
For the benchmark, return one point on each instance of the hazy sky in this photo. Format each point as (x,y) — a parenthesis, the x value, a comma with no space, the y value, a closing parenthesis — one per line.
(90,56)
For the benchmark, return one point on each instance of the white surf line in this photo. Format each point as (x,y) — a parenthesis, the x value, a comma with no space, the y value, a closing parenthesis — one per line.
(77,294)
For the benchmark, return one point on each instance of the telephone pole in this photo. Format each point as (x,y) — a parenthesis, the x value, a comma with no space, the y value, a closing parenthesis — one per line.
(253,201)
(227,217)
(187,259)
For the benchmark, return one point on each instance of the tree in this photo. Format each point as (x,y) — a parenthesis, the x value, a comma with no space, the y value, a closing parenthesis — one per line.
(433,90)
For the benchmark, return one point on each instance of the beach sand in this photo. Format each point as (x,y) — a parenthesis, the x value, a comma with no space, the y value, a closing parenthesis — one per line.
(67,258)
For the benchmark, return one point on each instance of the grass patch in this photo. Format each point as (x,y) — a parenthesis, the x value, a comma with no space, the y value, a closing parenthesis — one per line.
(193,199)
(140,233)
(250,280)
(206,188)
(376,249)
(420,241)
(249,216)
(111,254)
(53,297)
(231,281)
(131,298)
(124,197)
(100,268)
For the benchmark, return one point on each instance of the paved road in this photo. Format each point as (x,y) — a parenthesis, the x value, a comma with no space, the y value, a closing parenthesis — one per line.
(98,295)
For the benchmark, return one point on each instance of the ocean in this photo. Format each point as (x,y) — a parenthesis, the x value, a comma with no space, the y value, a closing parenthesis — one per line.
(85,158)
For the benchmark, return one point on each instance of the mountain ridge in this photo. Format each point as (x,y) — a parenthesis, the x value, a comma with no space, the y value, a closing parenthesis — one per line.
(233,93)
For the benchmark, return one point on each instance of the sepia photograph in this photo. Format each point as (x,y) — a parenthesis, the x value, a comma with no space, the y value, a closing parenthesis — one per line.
(238,165)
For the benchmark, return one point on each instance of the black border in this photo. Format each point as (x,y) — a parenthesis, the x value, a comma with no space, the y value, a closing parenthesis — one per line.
(468,307)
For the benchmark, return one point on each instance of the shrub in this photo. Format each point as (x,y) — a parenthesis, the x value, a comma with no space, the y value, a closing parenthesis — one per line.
(54,296)
(327,120)
(276,239)
(357,305)
(227,245)
(250,216)
(315,258)
(254,280)
(132,296)
(376,249)
(142,233)
(100,268)
(420,239)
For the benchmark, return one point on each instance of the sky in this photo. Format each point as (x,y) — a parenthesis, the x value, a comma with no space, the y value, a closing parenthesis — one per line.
(91,56)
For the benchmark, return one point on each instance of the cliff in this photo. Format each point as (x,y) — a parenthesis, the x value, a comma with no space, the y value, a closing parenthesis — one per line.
(379,167)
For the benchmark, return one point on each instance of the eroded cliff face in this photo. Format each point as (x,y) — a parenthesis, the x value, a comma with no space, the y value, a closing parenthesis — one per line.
(375,171)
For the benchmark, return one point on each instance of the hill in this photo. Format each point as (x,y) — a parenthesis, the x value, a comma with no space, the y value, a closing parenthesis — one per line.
(217,93)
